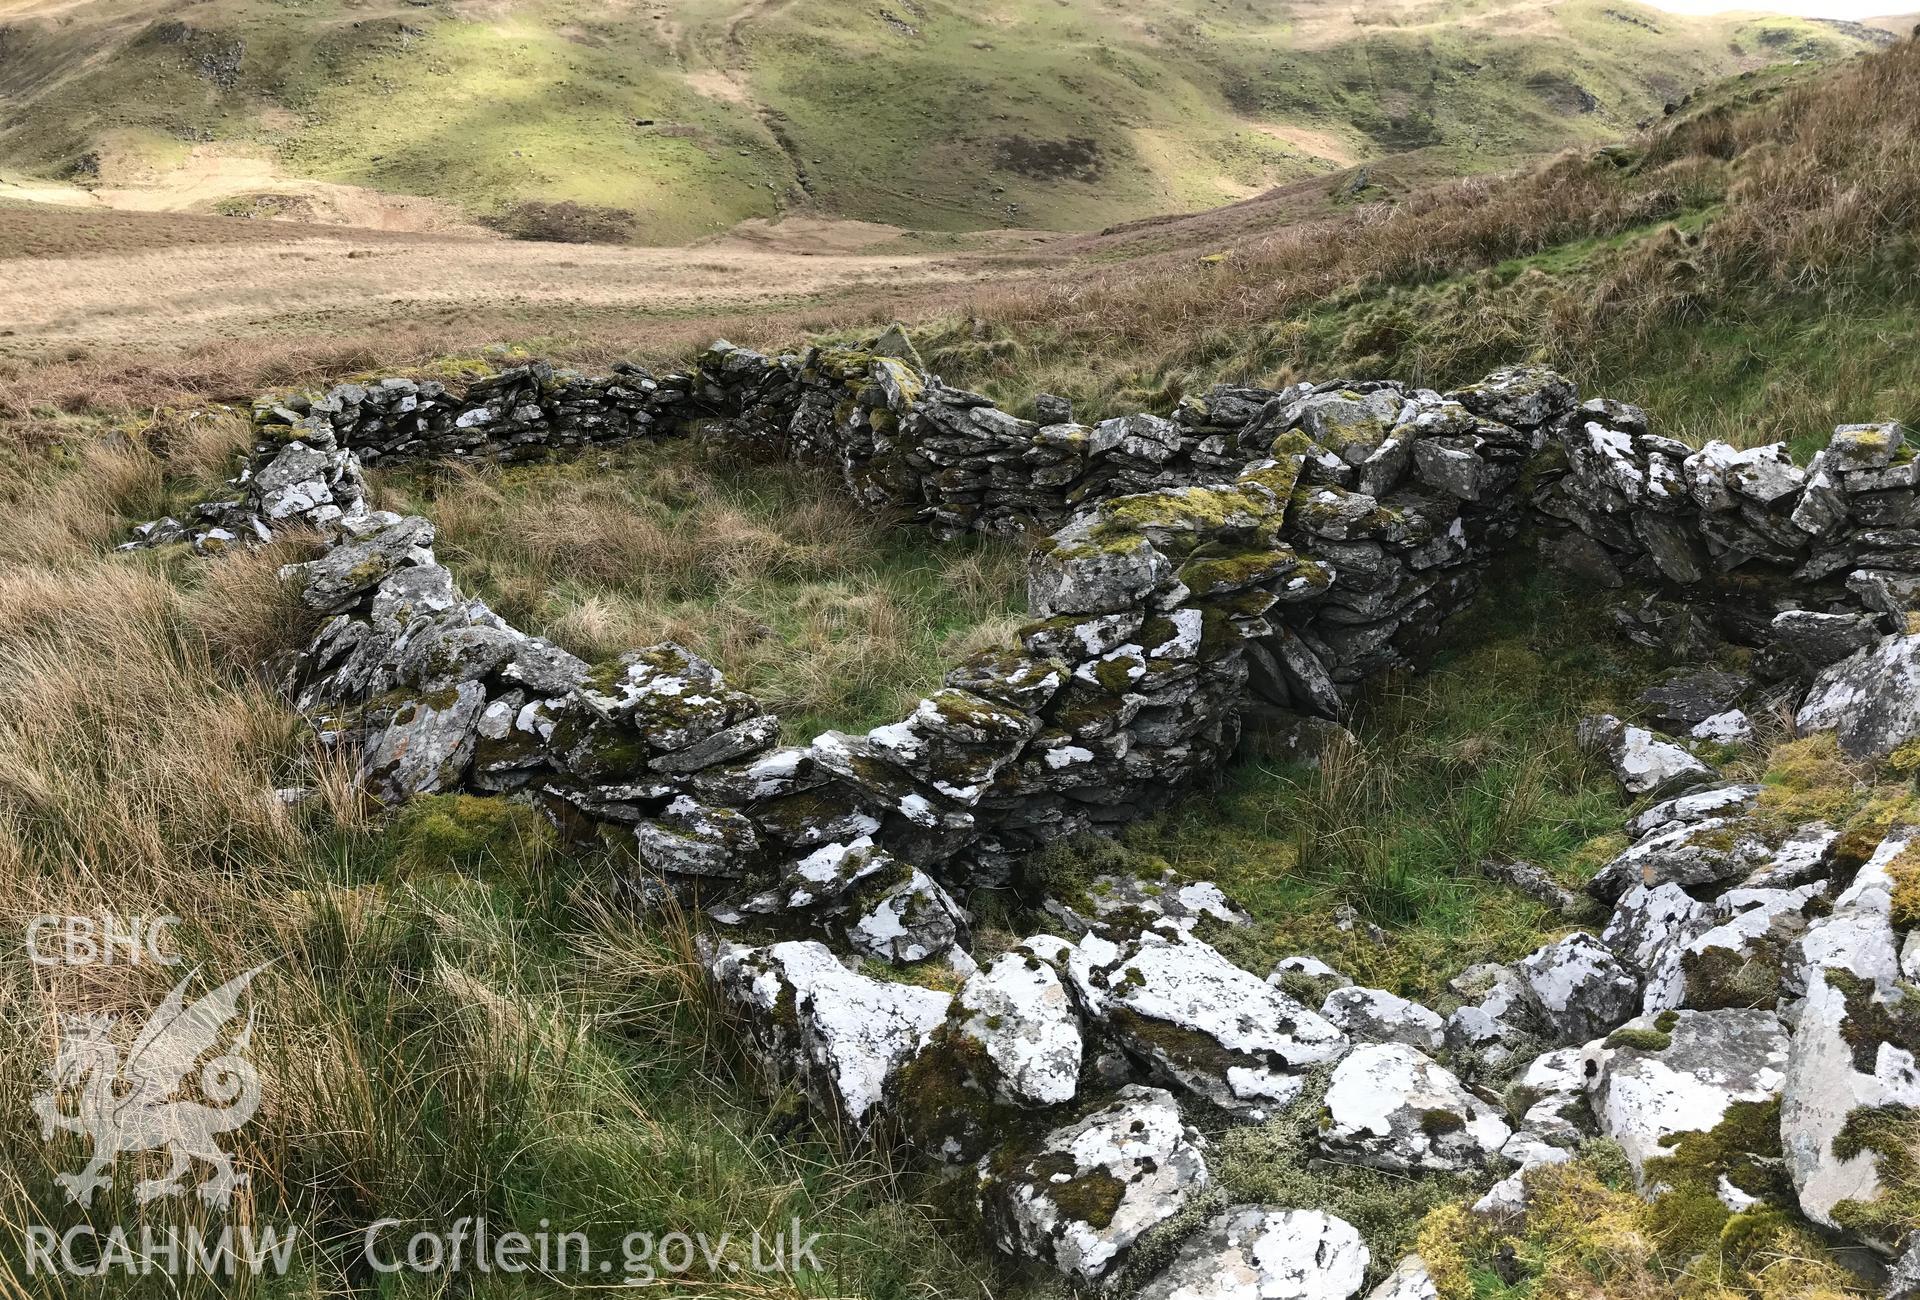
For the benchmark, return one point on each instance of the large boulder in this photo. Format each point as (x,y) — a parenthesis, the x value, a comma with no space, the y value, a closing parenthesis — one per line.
(839,1034)
(1578,988)
(1391,1107)
(1264,1252)
(1871,699)
(1642,762)
(1085,1192)
(1201,1023)
(1684,1072)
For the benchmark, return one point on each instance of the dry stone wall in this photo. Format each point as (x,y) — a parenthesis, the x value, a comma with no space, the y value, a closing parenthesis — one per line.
(1284,544)
(1273,546)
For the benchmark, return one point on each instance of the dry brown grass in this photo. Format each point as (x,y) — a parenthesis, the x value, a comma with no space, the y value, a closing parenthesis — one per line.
(831,615)
(1816,191)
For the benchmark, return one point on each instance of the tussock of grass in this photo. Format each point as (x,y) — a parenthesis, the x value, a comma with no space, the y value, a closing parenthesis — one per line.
(834,618)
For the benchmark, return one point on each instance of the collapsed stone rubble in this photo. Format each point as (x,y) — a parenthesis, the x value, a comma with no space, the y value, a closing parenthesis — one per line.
(1740,981)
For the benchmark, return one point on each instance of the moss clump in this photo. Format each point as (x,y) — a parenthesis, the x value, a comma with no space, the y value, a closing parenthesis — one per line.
(470,835)
(1744,1148)
(1216,569)
(1092,1197)
(944,1097)
(1891,1134)
(1586,1233)
(1808,780)
(1905,872)
(1720,979)
(1437,1124)
(1883,808)
(1640,1039)
(1870,1021)
(1181,1048)
(1275,1163)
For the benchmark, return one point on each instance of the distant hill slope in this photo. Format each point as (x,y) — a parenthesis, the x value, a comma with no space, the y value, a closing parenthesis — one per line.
(662,120)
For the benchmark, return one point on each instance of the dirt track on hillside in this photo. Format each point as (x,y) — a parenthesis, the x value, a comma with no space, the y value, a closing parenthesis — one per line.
(144,280)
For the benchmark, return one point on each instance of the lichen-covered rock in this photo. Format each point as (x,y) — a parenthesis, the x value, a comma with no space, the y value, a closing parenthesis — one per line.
(1496,1015)
(1694,806)
(1198,1021)
(1578,988)
(839,1034)
(1743,958)
(1409,1280)
(422,745)
(1081,1195)
(1733,727)
(1078,574)
(1864,446)
(1642,762)
(353,568)
(1697,853)
(1167,904)
(690,839)
(1871,699)
(1265,1252)
(908,918)
(1682,1072)
(1018,1009)
(1649,930)
(1811,640)
(1390,1106)
(1855,1052)
(1377,1016)
(1903,1282)
(1684,699)
(1550,1095)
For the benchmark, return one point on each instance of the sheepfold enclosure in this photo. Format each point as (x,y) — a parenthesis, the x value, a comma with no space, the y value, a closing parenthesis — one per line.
(838,617)
(1467,761)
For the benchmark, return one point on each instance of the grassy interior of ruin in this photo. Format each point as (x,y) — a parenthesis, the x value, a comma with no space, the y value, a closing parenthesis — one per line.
(834,617)
(463,1019)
